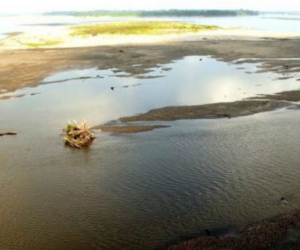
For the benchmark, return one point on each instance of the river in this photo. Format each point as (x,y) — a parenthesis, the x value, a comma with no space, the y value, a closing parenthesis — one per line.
(141,191)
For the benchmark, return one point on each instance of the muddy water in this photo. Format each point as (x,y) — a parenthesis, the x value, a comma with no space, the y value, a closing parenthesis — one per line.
(140,191)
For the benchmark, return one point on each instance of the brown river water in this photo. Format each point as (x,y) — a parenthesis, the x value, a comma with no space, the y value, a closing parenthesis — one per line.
(140,191)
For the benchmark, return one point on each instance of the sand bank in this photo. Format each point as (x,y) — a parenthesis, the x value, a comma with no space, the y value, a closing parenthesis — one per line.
(278,233)
(208,111)
(129,129)
(61,37)
(28,67)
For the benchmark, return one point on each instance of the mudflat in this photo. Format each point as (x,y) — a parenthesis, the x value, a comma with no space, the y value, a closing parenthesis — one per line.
(208,111)
(128,129)
(21,68)
(28,67)
(274,233)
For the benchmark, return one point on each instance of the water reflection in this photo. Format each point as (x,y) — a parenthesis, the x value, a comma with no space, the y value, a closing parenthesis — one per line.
(103,95)
(139,191)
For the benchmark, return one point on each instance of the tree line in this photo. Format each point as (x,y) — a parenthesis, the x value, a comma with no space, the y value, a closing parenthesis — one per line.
(159,13)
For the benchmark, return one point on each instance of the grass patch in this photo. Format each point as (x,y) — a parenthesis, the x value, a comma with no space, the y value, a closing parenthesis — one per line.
(41,44)
(139,28)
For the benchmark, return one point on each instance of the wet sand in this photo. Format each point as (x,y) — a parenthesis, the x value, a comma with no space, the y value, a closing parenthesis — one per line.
(229,110)
(128,129)
(26,68)
(278,233)
(208,111)
(291,96)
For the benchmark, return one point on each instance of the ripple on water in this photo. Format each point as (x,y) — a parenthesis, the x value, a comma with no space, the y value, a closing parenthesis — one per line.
(140,191)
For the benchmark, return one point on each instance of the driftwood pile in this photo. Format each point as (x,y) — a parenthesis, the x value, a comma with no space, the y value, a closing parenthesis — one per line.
(78,135)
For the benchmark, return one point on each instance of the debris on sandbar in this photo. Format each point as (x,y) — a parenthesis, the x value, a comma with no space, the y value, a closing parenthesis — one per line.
(8,133)
(78,135)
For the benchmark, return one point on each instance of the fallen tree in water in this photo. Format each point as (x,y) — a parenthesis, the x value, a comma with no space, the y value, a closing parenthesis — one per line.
(78,135)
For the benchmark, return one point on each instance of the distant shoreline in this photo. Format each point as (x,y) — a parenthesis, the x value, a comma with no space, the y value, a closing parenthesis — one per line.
(157,13)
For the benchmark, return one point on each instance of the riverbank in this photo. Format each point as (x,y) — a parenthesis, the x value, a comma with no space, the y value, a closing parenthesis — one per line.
(93,35)
(27,68)
(280,233)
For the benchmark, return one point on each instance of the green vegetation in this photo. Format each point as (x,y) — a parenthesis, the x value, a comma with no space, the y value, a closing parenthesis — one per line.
(41,44)
(139,28)
(158,13)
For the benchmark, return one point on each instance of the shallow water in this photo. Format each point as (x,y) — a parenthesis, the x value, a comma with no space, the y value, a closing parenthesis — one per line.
(29,23)
(139,191)
(79,94)
(277,23)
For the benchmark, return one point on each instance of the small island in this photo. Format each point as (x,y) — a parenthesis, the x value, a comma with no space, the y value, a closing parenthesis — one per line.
(140,28)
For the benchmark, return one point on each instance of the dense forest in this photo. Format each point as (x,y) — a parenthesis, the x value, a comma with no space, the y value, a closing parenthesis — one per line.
(158,13)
